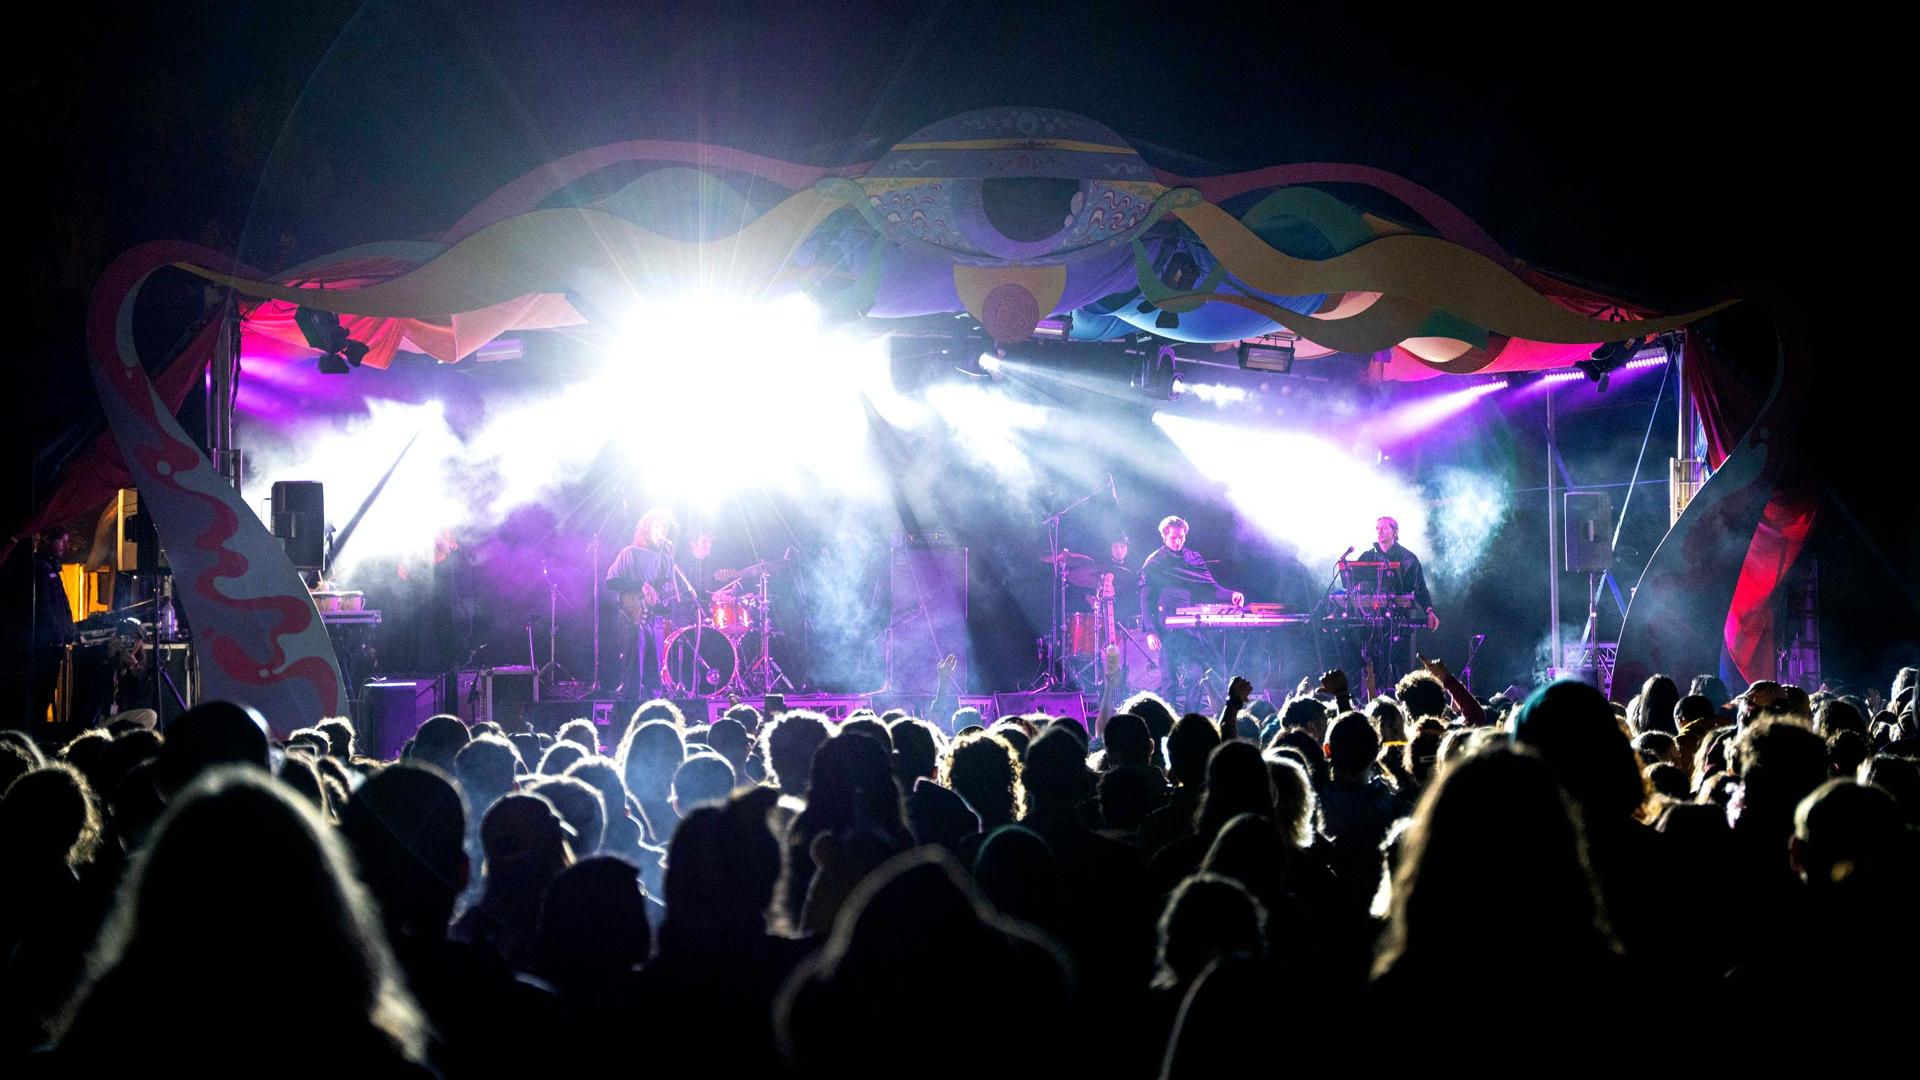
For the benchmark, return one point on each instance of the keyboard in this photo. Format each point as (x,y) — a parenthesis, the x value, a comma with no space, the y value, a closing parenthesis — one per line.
(1228,617)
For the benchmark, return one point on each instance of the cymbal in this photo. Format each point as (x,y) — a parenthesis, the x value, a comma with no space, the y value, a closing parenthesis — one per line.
(749,571)
(1067,558)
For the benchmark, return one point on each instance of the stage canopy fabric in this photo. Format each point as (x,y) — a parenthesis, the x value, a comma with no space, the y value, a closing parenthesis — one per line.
(1010,215)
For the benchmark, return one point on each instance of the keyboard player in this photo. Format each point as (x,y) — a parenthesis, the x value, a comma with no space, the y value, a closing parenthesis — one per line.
(1175,576)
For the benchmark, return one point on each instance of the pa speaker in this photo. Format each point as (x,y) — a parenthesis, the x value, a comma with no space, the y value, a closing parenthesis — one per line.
(300,522)
(1589,524)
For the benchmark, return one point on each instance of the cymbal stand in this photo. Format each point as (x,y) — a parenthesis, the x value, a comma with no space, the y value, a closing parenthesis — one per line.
(770,674)
(1054,672)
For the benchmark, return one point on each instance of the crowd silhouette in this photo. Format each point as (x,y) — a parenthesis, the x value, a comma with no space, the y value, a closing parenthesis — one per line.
(1312,883)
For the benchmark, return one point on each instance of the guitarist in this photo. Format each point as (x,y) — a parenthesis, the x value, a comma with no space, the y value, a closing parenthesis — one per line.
(647,584)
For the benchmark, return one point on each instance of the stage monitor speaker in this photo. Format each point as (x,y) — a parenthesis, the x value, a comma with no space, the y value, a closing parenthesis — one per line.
(929,617)
(505,691)
(1589,525)
(300,522)
(391,710)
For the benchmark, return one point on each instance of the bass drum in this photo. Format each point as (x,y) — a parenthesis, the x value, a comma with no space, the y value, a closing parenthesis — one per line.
(698,661)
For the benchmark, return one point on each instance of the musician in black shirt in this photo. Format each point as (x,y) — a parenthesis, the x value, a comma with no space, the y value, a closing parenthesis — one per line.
(1175,576)
(1409,578)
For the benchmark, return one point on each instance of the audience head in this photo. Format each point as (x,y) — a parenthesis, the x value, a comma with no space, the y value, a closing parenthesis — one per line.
(487,768)
(438,741)
(1293,799)
(1154,710)
(964,717)
(1305,714)
(1017,872)
(791,743)
(983,769)
(49,817)
(1208,916)
(1493,836)
(234,864)
(1352,745)
(746,716)
(407,829)
(1421,695)
(580,806)
(1192,739)
(1388,721)
(649,754)
(916,929)
(1238,782)
(339,733)
(560,757)
(1055,773)
(1847,830)
(593,927)
(525,843)
(1127,742)
(722,866)
(1898,777)
(728,738)
(871,727)
(702,778)
(916,749)
(1573,729)
(1779,763)
(211,734)
(1658,696)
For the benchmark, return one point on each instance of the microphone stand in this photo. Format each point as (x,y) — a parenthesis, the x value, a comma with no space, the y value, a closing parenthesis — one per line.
(1325,604)
(1466,670)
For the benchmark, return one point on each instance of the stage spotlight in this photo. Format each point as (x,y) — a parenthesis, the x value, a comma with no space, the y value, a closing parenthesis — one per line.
(1159,378)
(1517,379)
(1610,356)
(1259,357)
(322,330)
(986,365)
(1597,372)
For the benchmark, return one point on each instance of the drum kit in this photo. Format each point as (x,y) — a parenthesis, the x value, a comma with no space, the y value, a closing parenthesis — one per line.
(727,648)
(1083,636)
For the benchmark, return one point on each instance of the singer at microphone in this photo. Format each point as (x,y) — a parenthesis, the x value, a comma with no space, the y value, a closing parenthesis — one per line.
(647,583)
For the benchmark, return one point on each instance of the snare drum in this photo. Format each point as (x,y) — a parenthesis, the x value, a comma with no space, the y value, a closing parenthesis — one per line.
(1083,634)
(730,614)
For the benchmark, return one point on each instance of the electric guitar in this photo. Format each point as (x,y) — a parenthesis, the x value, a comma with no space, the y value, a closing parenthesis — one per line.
(638,600)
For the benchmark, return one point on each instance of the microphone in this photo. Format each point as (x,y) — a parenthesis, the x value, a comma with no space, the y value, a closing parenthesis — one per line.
(1350,550)
(1111,490)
